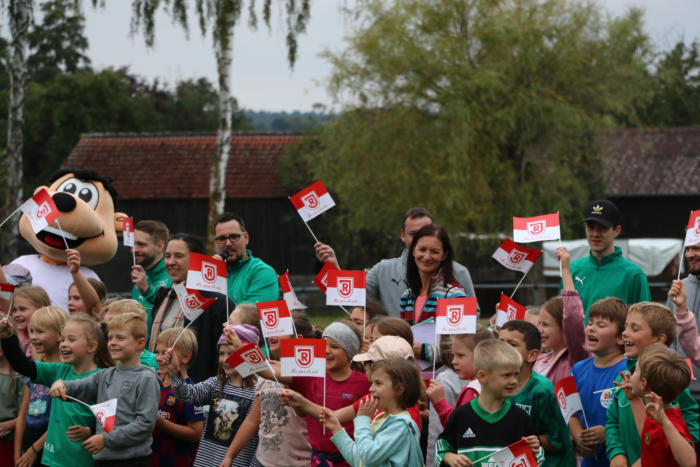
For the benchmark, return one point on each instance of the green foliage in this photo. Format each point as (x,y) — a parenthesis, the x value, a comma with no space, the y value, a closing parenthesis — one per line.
(477,110)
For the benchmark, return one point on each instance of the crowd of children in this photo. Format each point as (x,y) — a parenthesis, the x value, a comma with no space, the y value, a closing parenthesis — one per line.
(495,387)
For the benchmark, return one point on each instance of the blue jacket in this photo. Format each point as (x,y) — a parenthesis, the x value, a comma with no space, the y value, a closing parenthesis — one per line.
(396,443)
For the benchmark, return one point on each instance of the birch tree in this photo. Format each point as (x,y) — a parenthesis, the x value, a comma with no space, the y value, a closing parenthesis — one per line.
(222,17)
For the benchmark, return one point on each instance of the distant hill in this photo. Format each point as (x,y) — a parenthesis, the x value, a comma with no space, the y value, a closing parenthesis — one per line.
(287,121)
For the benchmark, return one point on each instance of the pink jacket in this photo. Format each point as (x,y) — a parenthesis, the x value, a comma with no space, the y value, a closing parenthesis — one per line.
(556,367)
(687,331)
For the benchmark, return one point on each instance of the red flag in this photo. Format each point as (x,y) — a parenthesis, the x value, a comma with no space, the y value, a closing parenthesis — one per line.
(303,357)
(40,210)
(692,234)
(206,273)
(516,257)
(321,280)
(128,231)
(568,397)
(247,360)
(106,413)
(7,291)
(690,365)
(536,229)
(346,288)
(456,315)
(517,454)
(508,309)
(275,319)
(288,294)
(191,301)
(312,201)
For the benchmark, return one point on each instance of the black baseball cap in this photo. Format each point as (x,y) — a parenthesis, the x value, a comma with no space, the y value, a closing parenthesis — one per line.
(604,212)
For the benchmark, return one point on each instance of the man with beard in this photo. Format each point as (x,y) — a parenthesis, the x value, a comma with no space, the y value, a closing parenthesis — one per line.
(149,272)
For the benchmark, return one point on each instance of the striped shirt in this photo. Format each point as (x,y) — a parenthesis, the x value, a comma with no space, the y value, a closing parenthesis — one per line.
(228,408)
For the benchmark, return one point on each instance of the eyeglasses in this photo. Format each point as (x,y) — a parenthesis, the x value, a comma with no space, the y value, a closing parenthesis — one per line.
(233,237)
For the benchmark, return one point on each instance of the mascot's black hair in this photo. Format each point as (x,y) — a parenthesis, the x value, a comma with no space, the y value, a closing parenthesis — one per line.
(87,175)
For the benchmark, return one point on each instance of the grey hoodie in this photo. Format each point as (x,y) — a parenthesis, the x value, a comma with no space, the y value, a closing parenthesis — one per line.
(137,390)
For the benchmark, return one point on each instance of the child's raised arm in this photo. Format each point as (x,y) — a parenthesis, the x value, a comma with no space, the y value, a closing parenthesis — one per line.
(564,258)
(685,322)
(91,301)
(682,449)
(13,352)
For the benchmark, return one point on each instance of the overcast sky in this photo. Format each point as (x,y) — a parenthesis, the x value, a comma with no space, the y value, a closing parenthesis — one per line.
(262,79)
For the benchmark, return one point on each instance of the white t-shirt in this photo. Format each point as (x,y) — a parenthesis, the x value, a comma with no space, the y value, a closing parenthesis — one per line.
(54,278)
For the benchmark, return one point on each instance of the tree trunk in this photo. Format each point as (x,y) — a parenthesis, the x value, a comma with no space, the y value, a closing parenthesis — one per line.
(20,13)
(217,179)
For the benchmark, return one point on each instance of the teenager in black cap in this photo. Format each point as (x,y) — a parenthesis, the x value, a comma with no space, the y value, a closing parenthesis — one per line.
(605,272)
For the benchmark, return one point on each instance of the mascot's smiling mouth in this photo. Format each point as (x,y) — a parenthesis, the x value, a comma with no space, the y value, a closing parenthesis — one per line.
(53,238)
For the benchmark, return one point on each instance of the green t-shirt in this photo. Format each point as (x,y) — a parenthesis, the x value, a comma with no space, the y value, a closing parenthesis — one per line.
(537,399)
(58,449)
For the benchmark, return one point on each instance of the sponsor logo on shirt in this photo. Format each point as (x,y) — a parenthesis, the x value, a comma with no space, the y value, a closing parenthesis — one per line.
(606,398)
(164,414)
(526,408)
(171,401)
(469,434)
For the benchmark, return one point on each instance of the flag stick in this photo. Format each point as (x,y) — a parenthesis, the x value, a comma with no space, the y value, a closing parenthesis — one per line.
(294,326)
(560,273)
(133,255)
(492,454)
(312,234)
(180,335)
(344,309)
(435,347)
(521,281)
(272,371)
(226,300)
(680,261)
(63,235)
(78,400)
(324,403)
(584,417)
(364,323)
(10,216)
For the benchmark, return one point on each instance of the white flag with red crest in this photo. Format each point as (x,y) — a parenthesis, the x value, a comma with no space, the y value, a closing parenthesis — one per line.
(692,234)
(192,303)
(536,229)
(247,360)
(40,210)
(508,310)
(303,357)
(275,318)
(568,397)
(206,273)
(7,291)
(456,315)
(321,280)
(288,294)
(128,231)
(517,454)
(346,288)
(312,201)
(516,257)
(106,413)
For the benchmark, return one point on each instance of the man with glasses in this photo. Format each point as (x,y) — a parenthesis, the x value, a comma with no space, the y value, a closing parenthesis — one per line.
(250,280)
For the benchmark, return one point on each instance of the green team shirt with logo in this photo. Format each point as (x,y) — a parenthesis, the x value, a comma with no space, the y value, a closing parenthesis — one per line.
(538,401)
(58,449)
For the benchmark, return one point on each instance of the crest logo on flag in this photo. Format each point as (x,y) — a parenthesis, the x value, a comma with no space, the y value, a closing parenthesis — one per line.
(100,415)
(345,286)
(192,302)
(304,355)
(512,312)
(270,316)
(520,461)
(208,272)
(310,200)
(515,257)
(43,210)
(536,227)
(251,356)
(561,395)
(454,314)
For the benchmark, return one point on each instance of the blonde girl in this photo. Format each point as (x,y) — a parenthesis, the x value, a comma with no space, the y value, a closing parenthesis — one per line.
(24,303)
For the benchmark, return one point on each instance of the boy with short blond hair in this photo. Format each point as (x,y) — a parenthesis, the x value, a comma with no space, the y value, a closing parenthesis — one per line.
(136,389)
(534,394)
(489,423)
(178,425)
(659,378)
(594,378)
(127,305)
(647,323)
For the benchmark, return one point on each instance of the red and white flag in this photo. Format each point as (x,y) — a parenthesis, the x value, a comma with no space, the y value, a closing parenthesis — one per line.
(192,303)
(128,231)
(312,201)
(303,357)
(321,280)
(206,273)
(568,397)
(288,294)
(508,310)
(536,229)
(275,319)
(7,291)
(692,235)
(106,413)
(40,210)
(247,360)
(346,288)
(456,315)
(516,257)
(517,454)
(690,365)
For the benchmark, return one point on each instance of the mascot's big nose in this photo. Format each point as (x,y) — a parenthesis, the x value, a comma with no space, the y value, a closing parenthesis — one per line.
(64,201)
